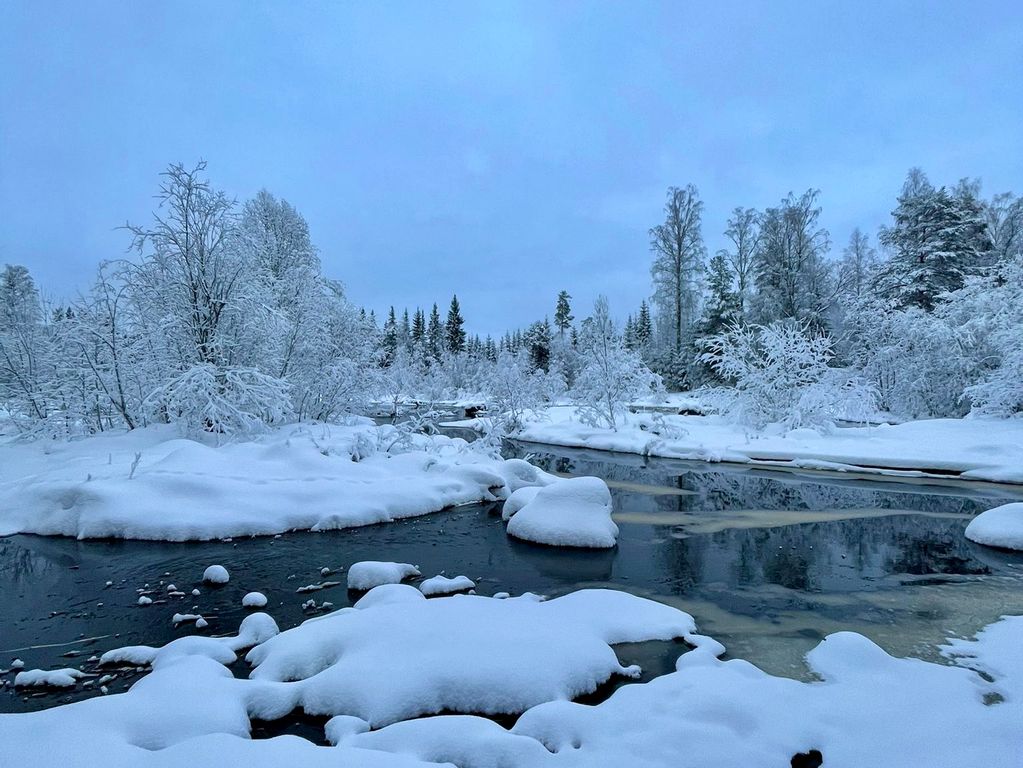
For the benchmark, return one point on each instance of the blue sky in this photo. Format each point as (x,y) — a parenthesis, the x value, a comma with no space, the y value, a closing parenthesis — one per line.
(499,150)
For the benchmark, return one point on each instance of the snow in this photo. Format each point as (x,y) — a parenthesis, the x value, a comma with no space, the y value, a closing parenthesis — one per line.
(868,708)
(143,600)
(297,477)
(57,678)
(568,513)
(379,666)
(979,448)
(998,527)
(254,600)
(374,573)
(216,574)
(403,656)
(442,585)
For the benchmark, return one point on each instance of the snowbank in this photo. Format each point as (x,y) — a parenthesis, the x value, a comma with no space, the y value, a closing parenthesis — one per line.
(867,709)
(568,513)
(442,585)
(374,573)
(975,448)
(254,600)
(998,527)
(150,484)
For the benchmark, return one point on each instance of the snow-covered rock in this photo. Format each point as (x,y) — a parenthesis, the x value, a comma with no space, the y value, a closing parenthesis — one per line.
(406,656)
(374,573)
(998,527)
(442,585)
(575,512)
(143,600)
(254,600)
(216,574)
(56,678)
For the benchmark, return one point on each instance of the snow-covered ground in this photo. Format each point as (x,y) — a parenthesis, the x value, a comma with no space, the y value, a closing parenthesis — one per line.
(152,484)
(379,667)
(975,448)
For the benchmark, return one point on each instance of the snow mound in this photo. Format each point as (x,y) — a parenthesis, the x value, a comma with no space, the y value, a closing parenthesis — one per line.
(374,573)
(442,585)
(216,574)
(40,678)
(254,600)
(998,527)
(568,513)
(390,660)
(730,714)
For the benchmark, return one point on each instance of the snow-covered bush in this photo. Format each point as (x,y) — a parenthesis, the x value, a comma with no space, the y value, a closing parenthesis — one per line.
(781,374)
(514,390)
(222,400)
(611,375)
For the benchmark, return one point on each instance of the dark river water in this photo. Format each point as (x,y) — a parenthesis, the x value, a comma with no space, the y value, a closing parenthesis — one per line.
(767,562)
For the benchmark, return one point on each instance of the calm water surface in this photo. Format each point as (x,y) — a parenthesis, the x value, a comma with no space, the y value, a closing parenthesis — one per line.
(767,562)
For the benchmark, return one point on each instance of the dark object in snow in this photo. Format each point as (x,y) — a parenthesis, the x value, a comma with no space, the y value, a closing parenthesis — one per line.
(811,759)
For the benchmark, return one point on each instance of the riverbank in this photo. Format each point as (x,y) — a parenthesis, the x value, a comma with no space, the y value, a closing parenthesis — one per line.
(153,484)
(967,449)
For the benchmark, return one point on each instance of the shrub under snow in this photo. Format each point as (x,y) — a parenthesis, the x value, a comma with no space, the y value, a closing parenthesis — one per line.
(782,374)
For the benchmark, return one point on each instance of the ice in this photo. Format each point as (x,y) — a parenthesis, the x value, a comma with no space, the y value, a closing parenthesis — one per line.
(442,585)
(373,573)
(216,574)
(575,512)
(254,600)
(998,527)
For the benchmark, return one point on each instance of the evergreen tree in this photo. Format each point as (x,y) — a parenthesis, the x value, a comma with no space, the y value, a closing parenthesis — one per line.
(418,327)
(390,339)
(723,305)
(938,239)
(455,328)
(644,327)
(563,314)
(405,331)
(490,350)
(538,345)
(435,334)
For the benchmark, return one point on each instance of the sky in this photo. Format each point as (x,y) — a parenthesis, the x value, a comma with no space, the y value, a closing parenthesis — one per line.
(501,151)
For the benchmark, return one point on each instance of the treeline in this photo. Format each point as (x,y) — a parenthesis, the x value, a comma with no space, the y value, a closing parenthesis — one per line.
(222,321)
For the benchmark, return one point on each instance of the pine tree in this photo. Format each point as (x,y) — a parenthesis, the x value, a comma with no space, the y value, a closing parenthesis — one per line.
(491,350)
(644,327)
(405,331)
(723,305)
(538,345)
(563,314)
(629,333)
(435,334)
(938,239)
(455,328)
(418,327)
(390,340)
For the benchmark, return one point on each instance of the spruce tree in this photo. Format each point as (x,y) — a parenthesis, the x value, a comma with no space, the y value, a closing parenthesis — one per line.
(435,334)
(455,328)
(563,314)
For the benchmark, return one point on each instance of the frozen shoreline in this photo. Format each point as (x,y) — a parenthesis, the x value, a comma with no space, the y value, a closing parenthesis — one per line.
(989,450)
